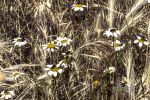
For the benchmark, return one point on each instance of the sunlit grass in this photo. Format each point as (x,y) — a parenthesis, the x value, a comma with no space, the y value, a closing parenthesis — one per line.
(93,46)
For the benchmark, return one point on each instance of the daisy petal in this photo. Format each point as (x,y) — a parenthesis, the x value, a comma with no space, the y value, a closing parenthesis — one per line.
(81,9)
(3,96)
(136,41)
(139,37)
(140,44)
(54,74)
(8,96)
(49,66)
(146,42)
(76,9)
(2,92)
(46,69)
(60,70)
(50,73)
(118,32)
(115,34)
(52,50)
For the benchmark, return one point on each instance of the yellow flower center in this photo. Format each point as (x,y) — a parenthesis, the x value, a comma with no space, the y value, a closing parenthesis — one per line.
(19,40)
(79,5)
(51,45)
(116,45)
(141,40)
(96,82)
(64,41)
(54,69)
(6,93)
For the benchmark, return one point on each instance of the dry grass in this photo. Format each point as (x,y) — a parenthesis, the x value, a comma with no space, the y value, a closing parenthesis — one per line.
(41,21)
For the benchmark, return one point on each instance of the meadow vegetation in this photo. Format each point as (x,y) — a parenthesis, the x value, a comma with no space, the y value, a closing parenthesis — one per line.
(74,49)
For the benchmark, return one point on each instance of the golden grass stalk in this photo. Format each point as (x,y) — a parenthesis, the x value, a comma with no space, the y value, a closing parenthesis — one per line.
(95,43)
(146,74)
(97,27)
(3,46)
(131,21)
(2,76)
(111,13)
(134,8)
(20,66)
(43,29)
(130,74)
(49,3)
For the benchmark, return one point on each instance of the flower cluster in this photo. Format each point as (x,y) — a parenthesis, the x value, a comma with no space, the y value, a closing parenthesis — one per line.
(54,45)
(117,44)
(141,41)
(7,94)
(55,69)
(110,70)
(19,42)
(63,41)
(112,32)
(78,7)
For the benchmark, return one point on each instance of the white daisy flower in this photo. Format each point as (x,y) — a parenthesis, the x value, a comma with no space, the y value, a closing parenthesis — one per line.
(50,46)
(124,80)
(118,45)
(110,70)
(63,41)
(19,42)
(63,63)
(7,94)
(112,32)
(53,70)
(16,74)
(78,7)
(141,41)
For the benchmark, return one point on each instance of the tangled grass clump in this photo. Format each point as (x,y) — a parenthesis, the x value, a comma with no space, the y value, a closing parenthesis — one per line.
(75,49)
